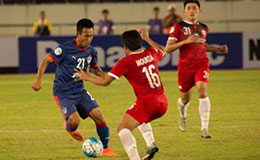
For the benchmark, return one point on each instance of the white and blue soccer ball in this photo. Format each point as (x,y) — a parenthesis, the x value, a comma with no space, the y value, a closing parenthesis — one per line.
(92,147)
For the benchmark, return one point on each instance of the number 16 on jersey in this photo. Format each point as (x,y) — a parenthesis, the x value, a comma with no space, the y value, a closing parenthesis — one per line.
(152,77)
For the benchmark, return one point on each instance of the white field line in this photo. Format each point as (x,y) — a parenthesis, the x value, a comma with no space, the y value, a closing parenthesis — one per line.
(93,129)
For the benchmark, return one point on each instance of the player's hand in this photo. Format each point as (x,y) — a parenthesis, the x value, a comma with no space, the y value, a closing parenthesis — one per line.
(144,34)
(80,75)
(223,49)
(192,39)
(37,85)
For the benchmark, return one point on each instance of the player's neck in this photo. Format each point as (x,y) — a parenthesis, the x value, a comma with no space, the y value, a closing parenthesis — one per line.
(135,52)
(191,21)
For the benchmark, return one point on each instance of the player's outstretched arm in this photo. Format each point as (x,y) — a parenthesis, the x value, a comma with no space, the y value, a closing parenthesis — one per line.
(219,49)
(37,84)
(172,44)
(104,80)
(145,36)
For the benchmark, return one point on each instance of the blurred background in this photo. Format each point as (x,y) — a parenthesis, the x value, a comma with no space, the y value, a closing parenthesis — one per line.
(236,18)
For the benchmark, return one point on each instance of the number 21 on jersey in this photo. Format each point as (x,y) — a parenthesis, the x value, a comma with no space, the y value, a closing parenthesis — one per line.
(152,76)
(81,63)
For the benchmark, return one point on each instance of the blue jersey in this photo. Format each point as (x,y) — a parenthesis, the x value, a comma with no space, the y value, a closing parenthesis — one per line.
(68,56)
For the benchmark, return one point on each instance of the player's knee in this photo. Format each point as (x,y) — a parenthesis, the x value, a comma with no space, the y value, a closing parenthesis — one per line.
(74,121)
(185,100)
(119,128)
(99,119)
(202,94)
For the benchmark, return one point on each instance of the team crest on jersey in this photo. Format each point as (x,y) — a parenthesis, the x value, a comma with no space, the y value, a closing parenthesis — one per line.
(89,59)
(58,51)
(172,30)
(203,32)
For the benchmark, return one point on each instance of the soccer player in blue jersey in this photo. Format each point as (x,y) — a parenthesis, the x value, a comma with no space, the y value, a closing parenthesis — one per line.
(74,101)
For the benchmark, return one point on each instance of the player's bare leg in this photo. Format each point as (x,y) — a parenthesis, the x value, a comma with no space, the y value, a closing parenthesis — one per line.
(204,108)
(102,130)
(127,124)
(71,126)
(183,104)
(151,146)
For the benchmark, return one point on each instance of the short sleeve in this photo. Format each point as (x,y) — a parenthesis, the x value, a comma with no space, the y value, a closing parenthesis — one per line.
(158,54)
(49,25)
(35,27)
(94,59)
(120,69)
(174,32)
(58,54)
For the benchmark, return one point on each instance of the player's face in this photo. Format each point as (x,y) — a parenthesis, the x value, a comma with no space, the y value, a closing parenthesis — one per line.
(85,37)
(192,11)
(156,13)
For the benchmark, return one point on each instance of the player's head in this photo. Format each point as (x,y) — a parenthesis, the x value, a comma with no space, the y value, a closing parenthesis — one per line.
(131,40)
(105,13)
(42,15)
(171,9)
(192,10)
(156,11)
(85,31)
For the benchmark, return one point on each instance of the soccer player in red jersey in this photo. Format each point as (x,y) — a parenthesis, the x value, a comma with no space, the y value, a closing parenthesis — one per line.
(193,67)
(140,68)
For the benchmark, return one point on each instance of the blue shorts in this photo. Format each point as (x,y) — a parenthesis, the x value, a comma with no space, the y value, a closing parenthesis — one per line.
(82,104)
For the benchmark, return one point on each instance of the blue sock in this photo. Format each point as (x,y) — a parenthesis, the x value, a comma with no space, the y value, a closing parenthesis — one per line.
(103,133)
(69,127)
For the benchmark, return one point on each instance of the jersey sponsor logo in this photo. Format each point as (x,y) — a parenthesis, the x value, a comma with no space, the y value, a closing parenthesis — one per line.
(144,60)
(58,51)
(74,57)
(172,30)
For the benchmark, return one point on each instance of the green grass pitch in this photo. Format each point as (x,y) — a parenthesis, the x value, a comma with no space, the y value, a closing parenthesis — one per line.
(31,123)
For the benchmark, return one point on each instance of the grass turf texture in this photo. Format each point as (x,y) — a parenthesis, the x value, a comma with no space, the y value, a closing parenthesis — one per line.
(31,123)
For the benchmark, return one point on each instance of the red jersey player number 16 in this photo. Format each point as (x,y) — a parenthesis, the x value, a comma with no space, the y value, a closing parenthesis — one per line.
(140,68)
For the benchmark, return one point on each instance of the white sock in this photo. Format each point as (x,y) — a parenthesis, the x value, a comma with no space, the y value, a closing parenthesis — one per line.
(204,109)
(129,144)
(147,132)
(182,108)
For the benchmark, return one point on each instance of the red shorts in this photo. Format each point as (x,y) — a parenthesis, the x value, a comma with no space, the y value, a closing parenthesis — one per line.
(146,111)
(188,78)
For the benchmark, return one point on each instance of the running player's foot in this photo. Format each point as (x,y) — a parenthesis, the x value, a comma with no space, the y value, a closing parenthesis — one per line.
(182,124)
(150,151)
(109,152)
(205,133)
(75,134)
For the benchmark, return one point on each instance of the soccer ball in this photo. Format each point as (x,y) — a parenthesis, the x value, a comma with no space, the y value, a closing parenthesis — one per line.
(92,147)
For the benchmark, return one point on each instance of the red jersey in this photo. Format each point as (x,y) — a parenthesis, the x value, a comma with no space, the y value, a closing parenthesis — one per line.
(141,70)
(194,52)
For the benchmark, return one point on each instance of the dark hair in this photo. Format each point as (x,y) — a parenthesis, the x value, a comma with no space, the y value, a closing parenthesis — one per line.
(156,8)
(131,39)
(84,23)
(105,11)
(191,1)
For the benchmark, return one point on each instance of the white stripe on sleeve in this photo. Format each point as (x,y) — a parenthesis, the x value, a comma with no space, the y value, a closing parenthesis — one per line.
(113,75)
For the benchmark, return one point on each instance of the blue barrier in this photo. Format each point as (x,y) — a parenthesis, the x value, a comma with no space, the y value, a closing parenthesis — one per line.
(32,50)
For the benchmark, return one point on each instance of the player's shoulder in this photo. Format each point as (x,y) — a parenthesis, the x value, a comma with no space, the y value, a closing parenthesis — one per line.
(183,24)
(92,49)
(203,25)
(150,50)
(67,44)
